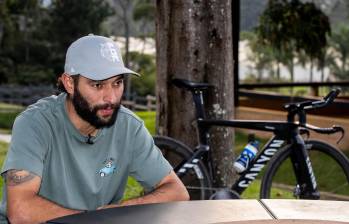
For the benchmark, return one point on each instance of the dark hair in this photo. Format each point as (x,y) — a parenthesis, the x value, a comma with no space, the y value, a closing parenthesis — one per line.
(60,85)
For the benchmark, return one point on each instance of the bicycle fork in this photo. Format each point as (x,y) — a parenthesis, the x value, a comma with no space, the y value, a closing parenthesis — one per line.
(306,187)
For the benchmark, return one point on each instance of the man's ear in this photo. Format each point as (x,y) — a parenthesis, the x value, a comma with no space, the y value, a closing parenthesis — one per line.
(68,83)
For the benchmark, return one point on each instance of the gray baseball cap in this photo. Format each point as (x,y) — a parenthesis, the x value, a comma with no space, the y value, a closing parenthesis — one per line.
(95,57)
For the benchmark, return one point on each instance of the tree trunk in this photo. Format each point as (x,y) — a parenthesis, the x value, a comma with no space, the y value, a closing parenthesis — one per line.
(126,19)
(322,73)
(278,70)
(311,70)
(291,69)
(194,42)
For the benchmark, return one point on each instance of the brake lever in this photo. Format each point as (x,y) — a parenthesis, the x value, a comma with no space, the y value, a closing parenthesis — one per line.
(332,130)
(339,129)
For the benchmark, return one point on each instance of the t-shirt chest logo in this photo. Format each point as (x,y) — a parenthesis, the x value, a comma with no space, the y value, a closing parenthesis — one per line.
(109,167)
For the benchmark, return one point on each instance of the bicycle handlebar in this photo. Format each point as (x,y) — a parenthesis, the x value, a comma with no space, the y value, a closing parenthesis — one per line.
(328,99)
(308,105)
(331,95)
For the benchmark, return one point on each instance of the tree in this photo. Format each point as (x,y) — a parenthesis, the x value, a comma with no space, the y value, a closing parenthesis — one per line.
(340,43)
(261,56)
(144,12)
(313,36)
(23,54)
(194,41)
(293,27)
(34,38)
(127,14)
(145,65)
(123,15)
(69,20)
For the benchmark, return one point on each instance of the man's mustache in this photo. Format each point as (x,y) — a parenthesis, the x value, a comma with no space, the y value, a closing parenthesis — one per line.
(106,106)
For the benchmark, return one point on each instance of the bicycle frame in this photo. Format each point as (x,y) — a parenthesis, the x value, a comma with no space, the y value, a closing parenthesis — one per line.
(285,133)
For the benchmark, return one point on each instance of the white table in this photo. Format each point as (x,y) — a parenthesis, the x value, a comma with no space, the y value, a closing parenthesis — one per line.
(220,211)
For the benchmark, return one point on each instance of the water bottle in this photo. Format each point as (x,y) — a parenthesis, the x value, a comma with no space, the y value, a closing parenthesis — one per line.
(247,155)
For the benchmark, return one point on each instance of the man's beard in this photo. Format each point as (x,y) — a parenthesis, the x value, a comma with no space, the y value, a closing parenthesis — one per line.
(89,113)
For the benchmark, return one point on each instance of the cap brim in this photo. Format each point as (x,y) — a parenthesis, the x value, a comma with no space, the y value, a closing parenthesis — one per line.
(94,75)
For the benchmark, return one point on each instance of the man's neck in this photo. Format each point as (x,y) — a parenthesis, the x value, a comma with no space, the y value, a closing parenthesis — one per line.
(83,126)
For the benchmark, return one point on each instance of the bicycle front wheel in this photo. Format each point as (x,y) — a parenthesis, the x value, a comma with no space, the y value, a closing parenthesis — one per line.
(195,179)
(330,166)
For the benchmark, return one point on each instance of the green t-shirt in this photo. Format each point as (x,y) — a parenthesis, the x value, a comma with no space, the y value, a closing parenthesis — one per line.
(75,174)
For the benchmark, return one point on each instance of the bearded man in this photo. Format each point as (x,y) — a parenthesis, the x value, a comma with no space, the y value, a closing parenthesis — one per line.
(74,152)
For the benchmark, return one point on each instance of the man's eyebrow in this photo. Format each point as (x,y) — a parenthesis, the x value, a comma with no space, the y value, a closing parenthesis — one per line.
(95,81)
(119,77)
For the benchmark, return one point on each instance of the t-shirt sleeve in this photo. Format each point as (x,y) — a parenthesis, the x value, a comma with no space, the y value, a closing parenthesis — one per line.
(148,165)
(28,146)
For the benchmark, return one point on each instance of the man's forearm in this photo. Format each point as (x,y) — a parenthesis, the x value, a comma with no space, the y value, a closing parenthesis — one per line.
(36,209)
(169,189)
(24,205)
(159,195)
(164,193)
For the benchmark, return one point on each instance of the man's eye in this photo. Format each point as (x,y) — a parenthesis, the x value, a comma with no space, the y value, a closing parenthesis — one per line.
(118,82)
(97,85)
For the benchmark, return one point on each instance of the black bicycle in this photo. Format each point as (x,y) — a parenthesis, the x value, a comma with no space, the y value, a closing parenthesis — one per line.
(297,168)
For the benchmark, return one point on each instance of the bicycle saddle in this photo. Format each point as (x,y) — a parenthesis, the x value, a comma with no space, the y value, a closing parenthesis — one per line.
(186,84)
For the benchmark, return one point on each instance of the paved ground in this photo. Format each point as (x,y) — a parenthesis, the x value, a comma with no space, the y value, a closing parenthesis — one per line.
(5,138)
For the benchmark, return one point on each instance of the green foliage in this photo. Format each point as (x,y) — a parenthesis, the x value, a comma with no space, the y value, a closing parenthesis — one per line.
(14,47)
(339,63)
(252,192)
(262,56)
(32,74)
(246,35)
(35,38)
(144,12)
(8,113)
(145,65)
(292,27)
(21,43)
(7,119)
(3,152)
(149,120)
(292,24)
(69,20)
(133,189)
(7,106)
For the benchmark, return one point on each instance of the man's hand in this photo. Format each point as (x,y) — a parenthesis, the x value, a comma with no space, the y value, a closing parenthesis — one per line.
(23,203)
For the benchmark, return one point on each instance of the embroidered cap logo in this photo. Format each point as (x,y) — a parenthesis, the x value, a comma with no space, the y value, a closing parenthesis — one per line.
(108,51)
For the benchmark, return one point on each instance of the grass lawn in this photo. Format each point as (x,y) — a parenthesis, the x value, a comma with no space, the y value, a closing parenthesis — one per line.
(8,113)
(6,121)
(3,151)
(149,120)
(7,106)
